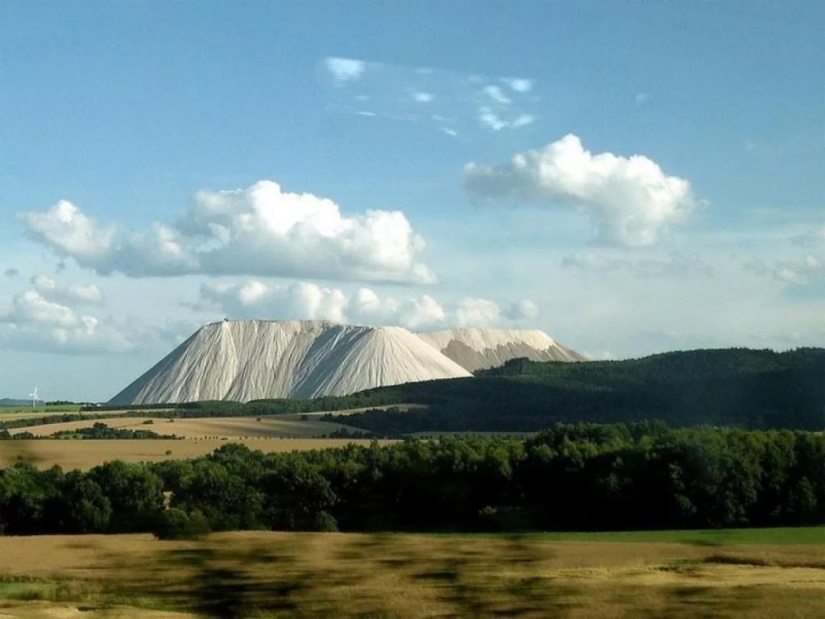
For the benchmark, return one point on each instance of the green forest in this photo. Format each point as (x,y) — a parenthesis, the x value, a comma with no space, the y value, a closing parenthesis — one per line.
(571,477)
(753,389)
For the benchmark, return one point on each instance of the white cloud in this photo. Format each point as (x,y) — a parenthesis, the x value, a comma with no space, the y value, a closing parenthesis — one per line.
(522,310)
(421,313)
(496,94)
(477,313)
(259,231)
(70,232)
(255,299)
(488,118)
(630,200)
(495,121)
(451,132)
(410,94)
(308,301)
(805,272)
(641,97)
(345,70)
(34,323)
(522,120)
(423,97)
(79,294)
(518,84)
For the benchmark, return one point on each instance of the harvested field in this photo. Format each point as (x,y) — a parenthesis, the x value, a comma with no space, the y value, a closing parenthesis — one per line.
(206,427)
(84,454)
(313,575)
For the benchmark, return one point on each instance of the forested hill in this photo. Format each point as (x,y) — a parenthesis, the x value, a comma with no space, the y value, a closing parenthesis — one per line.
(733,387)
(754,389)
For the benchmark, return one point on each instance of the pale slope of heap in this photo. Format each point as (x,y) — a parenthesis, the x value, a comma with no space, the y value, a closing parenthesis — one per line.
(255,359)
(480,349)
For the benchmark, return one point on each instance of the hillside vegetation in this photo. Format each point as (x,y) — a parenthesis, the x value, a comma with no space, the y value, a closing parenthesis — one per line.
(754,389)
(736,387)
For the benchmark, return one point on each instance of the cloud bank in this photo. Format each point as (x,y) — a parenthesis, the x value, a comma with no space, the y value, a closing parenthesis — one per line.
(261,231)
(303,300)
(630,200)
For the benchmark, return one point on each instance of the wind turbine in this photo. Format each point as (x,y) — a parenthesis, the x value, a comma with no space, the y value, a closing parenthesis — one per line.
(33,396)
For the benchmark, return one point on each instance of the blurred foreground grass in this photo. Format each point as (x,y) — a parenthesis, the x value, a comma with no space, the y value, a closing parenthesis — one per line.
(260,574)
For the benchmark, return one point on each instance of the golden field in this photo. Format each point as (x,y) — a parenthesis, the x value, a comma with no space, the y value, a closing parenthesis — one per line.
(290,426)
(85,454)
(262,574)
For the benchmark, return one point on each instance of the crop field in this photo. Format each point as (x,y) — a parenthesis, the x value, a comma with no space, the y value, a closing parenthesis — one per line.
(85,454)
(262,574)
(280,426)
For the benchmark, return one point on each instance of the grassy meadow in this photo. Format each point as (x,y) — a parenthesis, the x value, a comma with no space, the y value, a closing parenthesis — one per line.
(9,413)
(264,574)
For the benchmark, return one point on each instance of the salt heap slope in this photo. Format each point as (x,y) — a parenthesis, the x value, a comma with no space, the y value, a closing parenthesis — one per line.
(480,349)
(249,360)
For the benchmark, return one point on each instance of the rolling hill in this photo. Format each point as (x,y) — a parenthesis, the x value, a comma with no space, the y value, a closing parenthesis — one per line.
(732,387)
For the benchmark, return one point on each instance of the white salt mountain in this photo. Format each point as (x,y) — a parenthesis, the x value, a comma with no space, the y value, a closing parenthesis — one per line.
(255,359)
(480,349)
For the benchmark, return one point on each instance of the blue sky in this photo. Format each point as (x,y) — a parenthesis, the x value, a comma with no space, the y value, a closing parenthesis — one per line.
(629,177)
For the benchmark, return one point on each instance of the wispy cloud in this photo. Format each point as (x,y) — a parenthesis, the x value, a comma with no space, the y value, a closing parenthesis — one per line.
(345,70)
(423,95)
(495,93)
(518,84)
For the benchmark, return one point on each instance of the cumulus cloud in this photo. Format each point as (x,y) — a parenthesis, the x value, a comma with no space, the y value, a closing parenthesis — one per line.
(345,70)
(309,301)
(630,200)
(69,231)
(261,231)
(255,299)
(33,322)
(477,313)
(79,294)
(522,310)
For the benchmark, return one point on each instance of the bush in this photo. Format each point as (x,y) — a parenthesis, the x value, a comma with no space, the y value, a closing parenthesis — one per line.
(148,422)
(177,524)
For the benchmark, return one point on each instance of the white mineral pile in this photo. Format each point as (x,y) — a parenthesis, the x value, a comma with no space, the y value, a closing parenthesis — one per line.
(256,359)
(479,349)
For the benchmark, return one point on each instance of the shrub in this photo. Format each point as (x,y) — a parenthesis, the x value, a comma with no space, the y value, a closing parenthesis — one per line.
(177,524)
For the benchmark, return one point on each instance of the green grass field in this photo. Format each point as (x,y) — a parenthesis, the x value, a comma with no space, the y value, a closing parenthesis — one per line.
(40,409)
(700,537)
